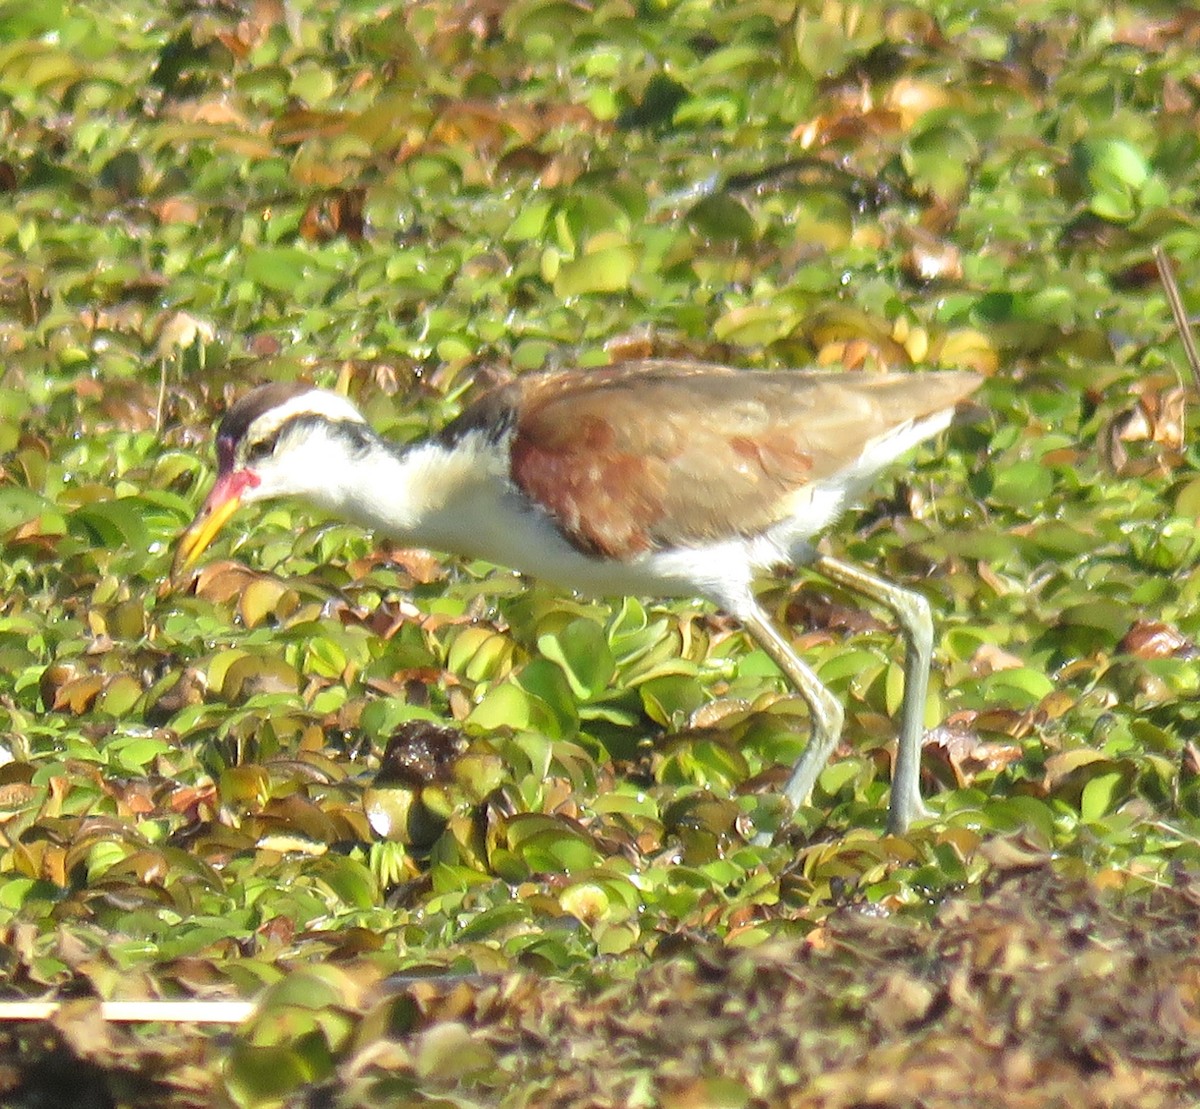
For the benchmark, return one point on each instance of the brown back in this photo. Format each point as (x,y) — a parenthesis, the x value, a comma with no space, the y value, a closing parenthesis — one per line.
(645,455)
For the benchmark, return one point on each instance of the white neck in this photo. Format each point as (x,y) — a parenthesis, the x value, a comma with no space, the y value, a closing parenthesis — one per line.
(416,496)
(461,501)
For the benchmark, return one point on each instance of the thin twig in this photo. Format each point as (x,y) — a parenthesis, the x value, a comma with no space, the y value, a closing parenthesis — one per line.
(161,409)
(170,1012)
(1167,276)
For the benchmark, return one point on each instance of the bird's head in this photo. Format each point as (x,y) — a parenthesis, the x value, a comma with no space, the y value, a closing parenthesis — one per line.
(278,440)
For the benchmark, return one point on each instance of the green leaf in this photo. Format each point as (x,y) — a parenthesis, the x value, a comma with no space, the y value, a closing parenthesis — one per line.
(350,879)
(133,754)
(940,154)
(755,324)
(503,706)
(1025,485)
(280,269)
(261,1075)
(18,505)
(722,217)
(1114,164)
(116,524)
(582,650)
(607,270)
(554,709)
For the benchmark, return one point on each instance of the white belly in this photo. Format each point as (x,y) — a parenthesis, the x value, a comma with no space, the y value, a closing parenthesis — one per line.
(502,528)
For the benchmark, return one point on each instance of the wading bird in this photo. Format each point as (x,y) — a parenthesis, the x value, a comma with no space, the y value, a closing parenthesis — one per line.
(656,478)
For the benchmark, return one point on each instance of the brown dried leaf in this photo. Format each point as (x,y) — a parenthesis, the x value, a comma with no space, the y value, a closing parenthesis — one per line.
(1014,853)
(989,658)
(266,597)
(809,609)
(1159,416)
(909,98)
(1148,30)
(967,753)
(880,352)
(1061,766)
(932,260)
(485,126)
(1191,758)
(1140,275)
(16,797)
(188,690)
(217,111)
(1166,410)
(1154,639)
(223,580)
(53,678)
(134,797)
(78,696)
(82,1026)
(1003,721)
(719,714)
(857,124)
(189,800)
(422,566)
(251,31)
(251,675)
(339,213)
(902,1001)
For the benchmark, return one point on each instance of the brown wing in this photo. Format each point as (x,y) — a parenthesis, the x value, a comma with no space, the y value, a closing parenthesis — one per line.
(652,454)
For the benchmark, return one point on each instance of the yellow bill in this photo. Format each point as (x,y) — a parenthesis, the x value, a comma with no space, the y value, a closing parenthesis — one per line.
(222,502)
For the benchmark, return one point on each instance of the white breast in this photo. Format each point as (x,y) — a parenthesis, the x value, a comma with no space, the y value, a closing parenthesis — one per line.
(461,501)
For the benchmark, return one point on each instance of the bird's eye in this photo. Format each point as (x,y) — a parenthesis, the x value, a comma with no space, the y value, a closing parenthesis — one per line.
(260,450)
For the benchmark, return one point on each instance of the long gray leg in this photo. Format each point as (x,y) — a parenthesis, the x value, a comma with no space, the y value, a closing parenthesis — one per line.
(825,711)
(916,626)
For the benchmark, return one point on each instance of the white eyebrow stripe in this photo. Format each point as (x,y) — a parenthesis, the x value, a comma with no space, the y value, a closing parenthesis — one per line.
(317,402)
